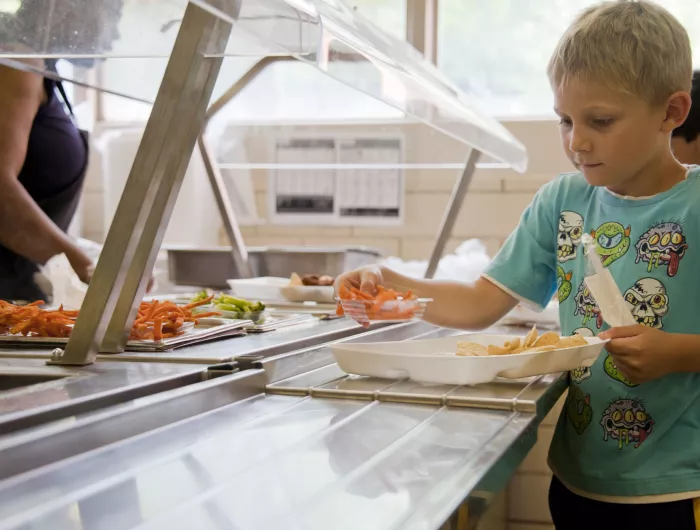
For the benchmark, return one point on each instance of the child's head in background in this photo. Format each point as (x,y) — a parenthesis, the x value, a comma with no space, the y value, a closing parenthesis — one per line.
(685,139)
(621,76)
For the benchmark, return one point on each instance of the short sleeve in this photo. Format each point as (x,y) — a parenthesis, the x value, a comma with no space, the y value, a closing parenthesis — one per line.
(525,267)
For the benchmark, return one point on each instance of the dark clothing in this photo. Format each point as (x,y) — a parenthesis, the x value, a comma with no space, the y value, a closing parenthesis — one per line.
(572,512)
(53,174)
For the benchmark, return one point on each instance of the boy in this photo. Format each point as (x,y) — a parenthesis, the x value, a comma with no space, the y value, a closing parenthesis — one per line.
(626,451)
(685,140)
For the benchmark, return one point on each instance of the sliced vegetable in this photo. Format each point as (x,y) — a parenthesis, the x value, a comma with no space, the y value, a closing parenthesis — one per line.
(386,304)
(202,295)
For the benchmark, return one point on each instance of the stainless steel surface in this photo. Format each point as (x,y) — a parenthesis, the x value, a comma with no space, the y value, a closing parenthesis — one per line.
(211,267)
(83,390)
(151,190)
(265,344)
(207,455)
(68,436)
(525,395)
(12,380)
(282,340)
(453,207)
(273,462)
(115,379)
(502,454)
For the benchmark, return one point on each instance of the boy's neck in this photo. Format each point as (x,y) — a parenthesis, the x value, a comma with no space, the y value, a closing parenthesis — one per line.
(658,176)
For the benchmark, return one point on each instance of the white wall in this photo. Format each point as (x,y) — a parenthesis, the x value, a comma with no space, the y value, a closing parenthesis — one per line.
(493,206)
(491,211)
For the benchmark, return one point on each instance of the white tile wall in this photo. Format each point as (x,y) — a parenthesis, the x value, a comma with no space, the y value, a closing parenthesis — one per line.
(527,498)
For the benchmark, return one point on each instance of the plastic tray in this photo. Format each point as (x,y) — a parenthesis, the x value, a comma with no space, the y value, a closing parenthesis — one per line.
(436,361)
(309,293)
(266,289)
(359,309)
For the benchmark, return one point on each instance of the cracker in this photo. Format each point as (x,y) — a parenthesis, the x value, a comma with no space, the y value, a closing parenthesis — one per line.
(530,338)
(570,342)
(471,349)
(497,350)
(512,344)
(547,339)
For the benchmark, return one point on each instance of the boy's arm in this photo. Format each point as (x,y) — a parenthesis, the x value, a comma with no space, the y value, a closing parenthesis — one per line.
(523,271)
(469,306)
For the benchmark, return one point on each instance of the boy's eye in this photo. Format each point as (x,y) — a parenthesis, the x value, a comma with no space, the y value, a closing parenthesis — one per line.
(565,121)
(602,122)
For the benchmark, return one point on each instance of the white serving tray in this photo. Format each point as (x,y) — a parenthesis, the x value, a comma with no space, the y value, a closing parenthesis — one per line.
(309,293)
(435,360)
(266,288)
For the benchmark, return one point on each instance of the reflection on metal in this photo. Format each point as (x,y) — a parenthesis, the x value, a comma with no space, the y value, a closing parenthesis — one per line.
(119,422)
(225,438)
(150,193)
(453,208)
(432,457)
(528,395)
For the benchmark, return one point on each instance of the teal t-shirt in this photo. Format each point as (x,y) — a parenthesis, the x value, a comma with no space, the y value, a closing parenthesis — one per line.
(614,438)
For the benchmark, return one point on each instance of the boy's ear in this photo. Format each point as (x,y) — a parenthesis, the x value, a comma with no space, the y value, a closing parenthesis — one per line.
(677,109)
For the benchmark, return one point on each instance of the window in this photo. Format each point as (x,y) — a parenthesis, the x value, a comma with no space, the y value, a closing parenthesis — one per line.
(283,92)
(497,51)
(688,13)
(390,15)
(9,6)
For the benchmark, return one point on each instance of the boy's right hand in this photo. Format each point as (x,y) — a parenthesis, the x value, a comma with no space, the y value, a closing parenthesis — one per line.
(367,279)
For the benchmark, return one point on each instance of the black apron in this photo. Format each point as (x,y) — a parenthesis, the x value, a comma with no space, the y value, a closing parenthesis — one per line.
(53,174)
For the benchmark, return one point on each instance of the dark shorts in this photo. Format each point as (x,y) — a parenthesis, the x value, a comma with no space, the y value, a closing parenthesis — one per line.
(572,512)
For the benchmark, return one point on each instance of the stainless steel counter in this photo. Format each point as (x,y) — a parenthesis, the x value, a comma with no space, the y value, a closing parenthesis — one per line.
(94,405)
(264,344)
(274,462)
(295,444)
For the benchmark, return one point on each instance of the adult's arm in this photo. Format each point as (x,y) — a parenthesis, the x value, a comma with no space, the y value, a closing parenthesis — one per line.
(24,227)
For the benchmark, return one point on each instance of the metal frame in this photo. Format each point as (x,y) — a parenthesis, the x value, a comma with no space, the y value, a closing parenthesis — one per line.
(459,192)
(239,253)
(150,193)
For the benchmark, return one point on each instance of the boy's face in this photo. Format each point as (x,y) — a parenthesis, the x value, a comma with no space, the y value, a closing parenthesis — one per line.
(609,136)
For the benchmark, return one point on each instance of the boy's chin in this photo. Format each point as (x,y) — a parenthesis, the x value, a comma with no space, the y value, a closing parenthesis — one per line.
(596,177)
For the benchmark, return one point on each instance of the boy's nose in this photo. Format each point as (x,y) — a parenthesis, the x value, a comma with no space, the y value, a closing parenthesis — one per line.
(578,141)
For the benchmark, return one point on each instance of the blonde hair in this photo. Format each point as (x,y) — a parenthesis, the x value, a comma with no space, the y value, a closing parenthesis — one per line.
(636,47)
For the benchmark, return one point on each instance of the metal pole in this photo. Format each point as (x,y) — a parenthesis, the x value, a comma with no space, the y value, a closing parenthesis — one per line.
(239,252)
(453,207)
(243,82)
(150,193)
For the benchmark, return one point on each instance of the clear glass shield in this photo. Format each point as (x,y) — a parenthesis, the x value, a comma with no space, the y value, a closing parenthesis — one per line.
(324,33)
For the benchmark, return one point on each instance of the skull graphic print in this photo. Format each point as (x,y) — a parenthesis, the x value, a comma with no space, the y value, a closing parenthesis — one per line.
(648,302)
(569,235)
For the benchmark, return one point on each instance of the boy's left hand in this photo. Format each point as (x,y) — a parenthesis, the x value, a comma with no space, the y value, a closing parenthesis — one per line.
(640,352)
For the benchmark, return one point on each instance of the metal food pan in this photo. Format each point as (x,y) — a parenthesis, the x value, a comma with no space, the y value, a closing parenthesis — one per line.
(212,266)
